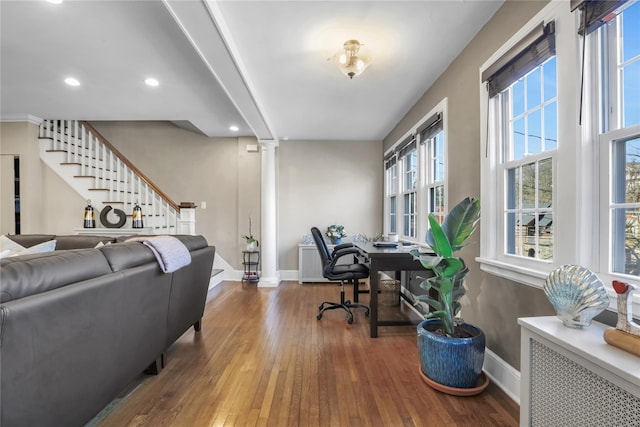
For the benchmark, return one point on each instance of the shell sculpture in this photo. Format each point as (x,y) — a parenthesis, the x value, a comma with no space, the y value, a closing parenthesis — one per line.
(576,294)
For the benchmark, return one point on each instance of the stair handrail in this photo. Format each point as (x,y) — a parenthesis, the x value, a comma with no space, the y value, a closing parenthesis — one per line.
(130,165)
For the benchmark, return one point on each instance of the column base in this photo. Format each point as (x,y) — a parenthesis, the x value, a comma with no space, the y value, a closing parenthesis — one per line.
(269,282)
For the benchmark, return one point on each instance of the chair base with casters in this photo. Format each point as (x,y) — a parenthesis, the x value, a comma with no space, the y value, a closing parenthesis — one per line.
(345,305)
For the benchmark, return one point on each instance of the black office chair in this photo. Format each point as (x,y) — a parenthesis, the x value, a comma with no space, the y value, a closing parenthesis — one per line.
(341,272)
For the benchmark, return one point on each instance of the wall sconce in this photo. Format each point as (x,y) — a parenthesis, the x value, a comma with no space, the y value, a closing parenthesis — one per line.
(351,62)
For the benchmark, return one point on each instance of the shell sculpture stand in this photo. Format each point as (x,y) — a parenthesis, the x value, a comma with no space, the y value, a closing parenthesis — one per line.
(626,335)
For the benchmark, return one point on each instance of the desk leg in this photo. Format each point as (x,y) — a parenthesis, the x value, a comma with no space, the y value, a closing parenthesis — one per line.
(374,279)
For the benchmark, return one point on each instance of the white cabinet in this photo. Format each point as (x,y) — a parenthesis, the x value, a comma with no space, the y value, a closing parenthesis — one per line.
(572,377)
(310,266)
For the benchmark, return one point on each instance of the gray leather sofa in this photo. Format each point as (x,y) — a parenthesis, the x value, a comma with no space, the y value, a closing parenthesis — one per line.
(78,325)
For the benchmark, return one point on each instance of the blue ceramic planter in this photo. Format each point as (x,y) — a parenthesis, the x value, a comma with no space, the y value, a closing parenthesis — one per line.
(453,362)
(336,240)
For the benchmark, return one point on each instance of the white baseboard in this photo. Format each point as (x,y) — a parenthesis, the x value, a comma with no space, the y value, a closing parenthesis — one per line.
(503,375)
(289,275)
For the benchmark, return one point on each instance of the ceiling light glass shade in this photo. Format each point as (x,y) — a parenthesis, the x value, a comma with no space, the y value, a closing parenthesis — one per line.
(351,62)
(151,82)
(72,81)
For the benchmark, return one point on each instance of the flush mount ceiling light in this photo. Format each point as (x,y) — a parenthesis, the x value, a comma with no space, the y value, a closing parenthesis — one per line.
(234,128)
(351,61)
(151,82)
(72,81)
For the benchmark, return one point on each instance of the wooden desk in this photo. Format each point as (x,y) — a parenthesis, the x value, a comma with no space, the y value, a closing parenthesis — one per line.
(385,259)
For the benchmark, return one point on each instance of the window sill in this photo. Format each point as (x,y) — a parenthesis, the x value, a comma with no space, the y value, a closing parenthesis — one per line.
(536,279)
(524,275)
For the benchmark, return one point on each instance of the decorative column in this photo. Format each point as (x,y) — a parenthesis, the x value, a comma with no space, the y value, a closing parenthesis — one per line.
(270,276)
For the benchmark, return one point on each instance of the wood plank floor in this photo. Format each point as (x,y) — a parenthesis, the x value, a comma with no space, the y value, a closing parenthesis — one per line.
(263,359)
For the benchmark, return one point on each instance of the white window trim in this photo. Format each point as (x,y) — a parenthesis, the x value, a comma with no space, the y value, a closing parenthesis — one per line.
(421,193)
(492,258)
(408,192)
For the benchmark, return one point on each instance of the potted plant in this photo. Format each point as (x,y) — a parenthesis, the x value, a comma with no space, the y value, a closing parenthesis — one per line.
(335,233)
(252,242)
(451,352)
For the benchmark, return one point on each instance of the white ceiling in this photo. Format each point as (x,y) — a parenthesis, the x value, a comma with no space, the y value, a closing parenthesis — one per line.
(261,65)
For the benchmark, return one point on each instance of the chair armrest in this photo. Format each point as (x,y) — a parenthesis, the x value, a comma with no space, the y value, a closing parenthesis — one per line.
(353,250)
(342,246)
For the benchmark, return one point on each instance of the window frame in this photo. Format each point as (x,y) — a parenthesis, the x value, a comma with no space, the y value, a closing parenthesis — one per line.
(421,191)
(408,192)
(605,130)
(391,196)
(493,257)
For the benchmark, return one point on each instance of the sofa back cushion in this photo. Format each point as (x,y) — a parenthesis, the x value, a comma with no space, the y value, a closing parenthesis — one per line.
(33,274)
(121,256)
(192,242)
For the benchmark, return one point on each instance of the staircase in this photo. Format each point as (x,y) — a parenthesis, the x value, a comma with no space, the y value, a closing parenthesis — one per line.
(100,173)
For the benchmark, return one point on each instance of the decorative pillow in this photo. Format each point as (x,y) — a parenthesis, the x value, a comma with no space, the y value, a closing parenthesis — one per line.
(48,246)
(8,244)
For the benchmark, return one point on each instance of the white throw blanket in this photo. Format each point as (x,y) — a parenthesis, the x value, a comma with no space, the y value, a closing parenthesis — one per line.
(170,252)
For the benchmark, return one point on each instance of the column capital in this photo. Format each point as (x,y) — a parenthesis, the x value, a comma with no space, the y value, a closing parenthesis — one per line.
(269,143)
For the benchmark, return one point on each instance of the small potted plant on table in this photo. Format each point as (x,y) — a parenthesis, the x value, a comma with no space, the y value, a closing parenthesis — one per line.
(335,233)
(252,242)
(451,352)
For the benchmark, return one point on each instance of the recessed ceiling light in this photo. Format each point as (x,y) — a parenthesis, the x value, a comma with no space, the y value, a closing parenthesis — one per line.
(72,81)
(234,128)
(151,82)
(55,1)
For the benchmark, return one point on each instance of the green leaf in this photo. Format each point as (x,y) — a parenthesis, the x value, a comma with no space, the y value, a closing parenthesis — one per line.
(437,239)
(461,222)
(448,267)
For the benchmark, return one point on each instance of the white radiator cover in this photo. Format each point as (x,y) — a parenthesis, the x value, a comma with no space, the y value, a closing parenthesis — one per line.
(573,377)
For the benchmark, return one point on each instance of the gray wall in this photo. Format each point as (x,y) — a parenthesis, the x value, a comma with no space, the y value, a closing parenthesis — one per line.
(190,167)
(491,303)
(327,182)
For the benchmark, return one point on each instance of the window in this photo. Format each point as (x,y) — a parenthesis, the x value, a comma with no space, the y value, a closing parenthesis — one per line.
(530,140)
(432,139)
(524,99)
(391,167)
(531,219)
(410,185)
(415,178)
(618,135)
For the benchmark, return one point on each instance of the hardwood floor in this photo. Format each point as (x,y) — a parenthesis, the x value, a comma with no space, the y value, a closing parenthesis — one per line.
(262,358)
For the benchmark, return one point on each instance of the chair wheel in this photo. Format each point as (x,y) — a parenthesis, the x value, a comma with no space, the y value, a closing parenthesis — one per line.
(319,316)
(366,313)
(350,320)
